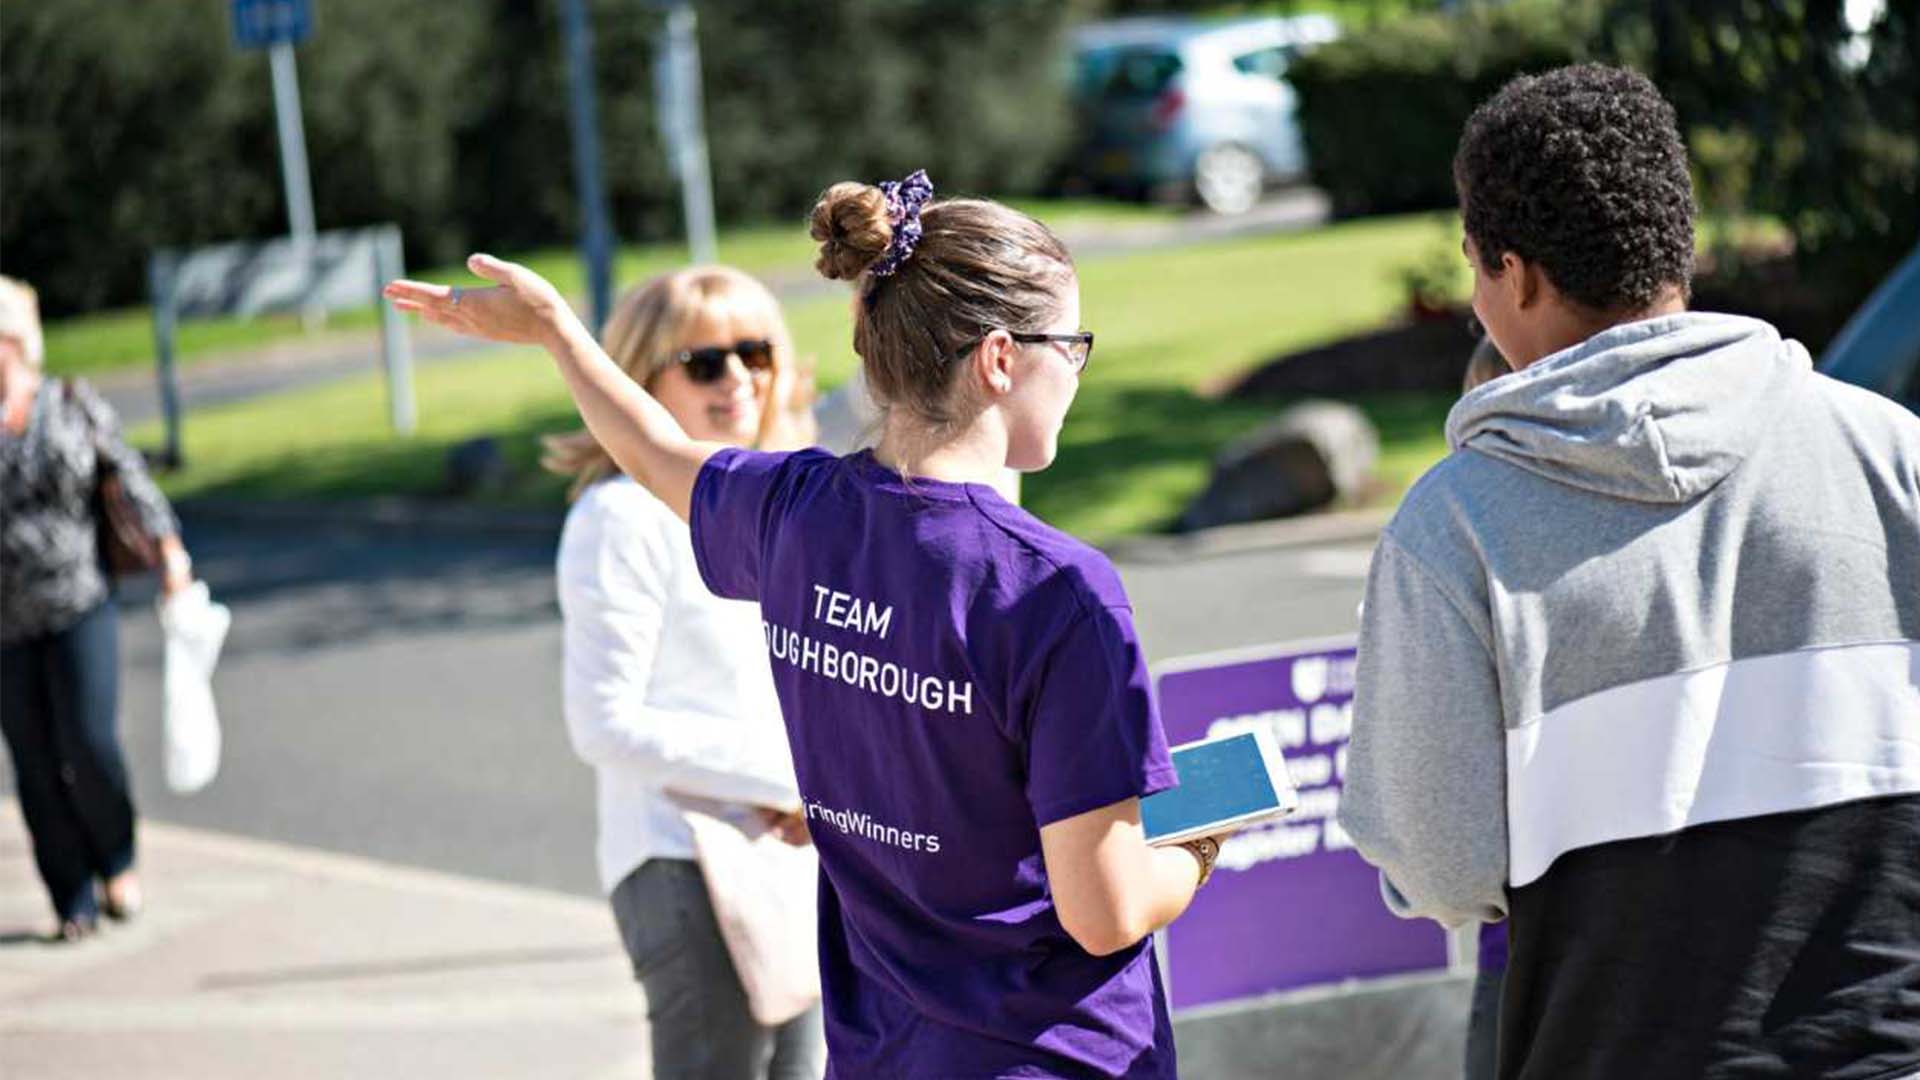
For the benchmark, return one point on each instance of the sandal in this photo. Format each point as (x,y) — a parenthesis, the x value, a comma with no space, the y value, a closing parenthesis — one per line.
(121,898)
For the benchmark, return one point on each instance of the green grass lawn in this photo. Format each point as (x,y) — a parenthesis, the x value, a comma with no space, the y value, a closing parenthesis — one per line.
(1140,440)
(1136,446)
(114,340)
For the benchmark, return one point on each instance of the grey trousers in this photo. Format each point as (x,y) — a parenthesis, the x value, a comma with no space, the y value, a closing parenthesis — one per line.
(696,1011)
(1483,1026)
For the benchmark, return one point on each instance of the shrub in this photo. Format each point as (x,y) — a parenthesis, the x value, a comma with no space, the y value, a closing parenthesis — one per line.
(130,129)
(1789,114)
(1786,111)
(1381,109)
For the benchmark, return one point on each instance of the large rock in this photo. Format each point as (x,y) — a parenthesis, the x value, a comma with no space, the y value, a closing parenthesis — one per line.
(1311,455)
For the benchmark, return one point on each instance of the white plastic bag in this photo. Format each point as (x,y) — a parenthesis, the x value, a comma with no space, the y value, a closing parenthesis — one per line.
(195,628)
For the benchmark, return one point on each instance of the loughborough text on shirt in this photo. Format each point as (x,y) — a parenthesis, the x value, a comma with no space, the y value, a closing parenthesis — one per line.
(857,668)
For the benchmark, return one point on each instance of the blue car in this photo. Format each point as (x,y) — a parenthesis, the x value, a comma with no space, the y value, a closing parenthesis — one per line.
(1879,348)
(1195,107)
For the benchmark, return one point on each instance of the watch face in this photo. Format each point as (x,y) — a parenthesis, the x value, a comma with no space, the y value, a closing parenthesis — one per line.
(1205,849)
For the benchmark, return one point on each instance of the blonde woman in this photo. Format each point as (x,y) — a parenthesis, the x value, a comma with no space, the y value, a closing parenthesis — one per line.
(668,694)
(59,635)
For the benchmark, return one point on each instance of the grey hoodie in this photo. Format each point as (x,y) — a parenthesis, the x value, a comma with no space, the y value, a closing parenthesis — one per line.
(1668,580)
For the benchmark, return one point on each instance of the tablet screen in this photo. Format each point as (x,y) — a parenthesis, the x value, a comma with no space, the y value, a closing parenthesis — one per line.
(1219,780)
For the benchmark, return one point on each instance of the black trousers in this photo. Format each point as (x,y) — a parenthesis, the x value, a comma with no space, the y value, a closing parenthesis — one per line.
(59,695)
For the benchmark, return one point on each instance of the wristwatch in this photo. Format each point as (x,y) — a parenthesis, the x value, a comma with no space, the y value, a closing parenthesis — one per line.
(1205,851)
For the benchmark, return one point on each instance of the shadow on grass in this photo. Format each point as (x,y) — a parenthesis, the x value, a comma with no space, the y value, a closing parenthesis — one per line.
(1412,429)
(358,580)
(413,467)
(1132,457)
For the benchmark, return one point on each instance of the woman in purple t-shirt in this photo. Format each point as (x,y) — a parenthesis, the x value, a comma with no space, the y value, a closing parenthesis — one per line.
(965,697)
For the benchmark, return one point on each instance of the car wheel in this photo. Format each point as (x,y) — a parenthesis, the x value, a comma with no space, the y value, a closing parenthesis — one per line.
(1228,179)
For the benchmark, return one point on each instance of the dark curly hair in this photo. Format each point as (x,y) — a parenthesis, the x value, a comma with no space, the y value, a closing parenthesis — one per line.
(1582,171)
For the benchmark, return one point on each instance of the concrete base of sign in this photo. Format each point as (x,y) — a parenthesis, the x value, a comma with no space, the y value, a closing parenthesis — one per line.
(1412,1028)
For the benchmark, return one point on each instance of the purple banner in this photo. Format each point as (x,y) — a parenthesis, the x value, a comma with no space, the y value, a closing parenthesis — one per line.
(1290,904)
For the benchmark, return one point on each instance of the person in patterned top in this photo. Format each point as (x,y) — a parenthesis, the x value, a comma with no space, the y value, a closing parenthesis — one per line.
(59,643)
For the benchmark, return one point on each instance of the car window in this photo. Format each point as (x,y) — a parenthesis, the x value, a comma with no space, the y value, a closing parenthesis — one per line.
(1879,348)
(1141,73)
(1271,63)
(1091,70)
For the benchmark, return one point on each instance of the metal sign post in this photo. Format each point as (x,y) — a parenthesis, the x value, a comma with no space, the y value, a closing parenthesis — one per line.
(293,144)
(160,277)
(596,234)
(277,26)
(335,271)
(677,87)
(396,347)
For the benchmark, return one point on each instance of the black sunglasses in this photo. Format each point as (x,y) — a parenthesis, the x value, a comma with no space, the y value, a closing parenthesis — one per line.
(1079,345)
(707,363)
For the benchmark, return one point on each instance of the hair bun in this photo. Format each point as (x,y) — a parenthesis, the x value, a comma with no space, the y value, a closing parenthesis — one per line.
(850,224)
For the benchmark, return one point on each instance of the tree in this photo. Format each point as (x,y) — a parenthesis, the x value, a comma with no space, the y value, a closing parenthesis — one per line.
(132,129)
(129,128)
(1788,114)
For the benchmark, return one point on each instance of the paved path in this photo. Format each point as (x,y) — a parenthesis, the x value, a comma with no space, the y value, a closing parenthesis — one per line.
(259,960)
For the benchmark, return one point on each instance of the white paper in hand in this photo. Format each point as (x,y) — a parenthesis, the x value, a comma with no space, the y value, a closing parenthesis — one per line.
(195,628)
(764,895)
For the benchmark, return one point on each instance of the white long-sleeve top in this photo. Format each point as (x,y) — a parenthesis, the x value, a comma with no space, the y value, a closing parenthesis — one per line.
(666,686)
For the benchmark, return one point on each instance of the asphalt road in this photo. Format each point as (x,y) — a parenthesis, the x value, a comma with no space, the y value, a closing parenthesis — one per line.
(395,693)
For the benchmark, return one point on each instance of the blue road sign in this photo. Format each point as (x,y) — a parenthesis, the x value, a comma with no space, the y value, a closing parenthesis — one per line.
(259,24)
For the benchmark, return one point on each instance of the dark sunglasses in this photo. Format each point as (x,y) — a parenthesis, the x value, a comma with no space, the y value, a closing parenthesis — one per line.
(707,363)
(1079,345)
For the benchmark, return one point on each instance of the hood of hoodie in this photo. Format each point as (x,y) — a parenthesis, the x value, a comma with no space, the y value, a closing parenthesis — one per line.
(1659,410)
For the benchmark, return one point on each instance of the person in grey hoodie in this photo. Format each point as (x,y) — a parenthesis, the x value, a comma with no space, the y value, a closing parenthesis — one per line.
(1640,659)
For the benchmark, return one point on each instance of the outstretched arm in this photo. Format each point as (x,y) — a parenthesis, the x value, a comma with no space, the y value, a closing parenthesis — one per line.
(523,308)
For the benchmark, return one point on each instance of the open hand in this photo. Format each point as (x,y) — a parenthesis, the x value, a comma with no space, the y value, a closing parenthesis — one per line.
(522,307)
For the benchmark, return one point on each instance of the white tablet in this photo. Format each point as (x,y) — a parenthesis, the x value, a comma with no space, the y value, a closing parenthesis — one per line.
(1225,783)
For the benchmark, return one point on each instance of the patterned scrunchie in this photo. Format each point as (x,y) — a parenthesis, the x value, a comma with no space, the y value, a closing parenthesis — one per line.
(904,200)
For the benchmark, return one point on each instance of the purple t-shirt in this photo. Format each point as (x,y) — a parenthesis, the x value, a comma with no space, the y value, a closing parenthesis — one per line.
(954,675)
